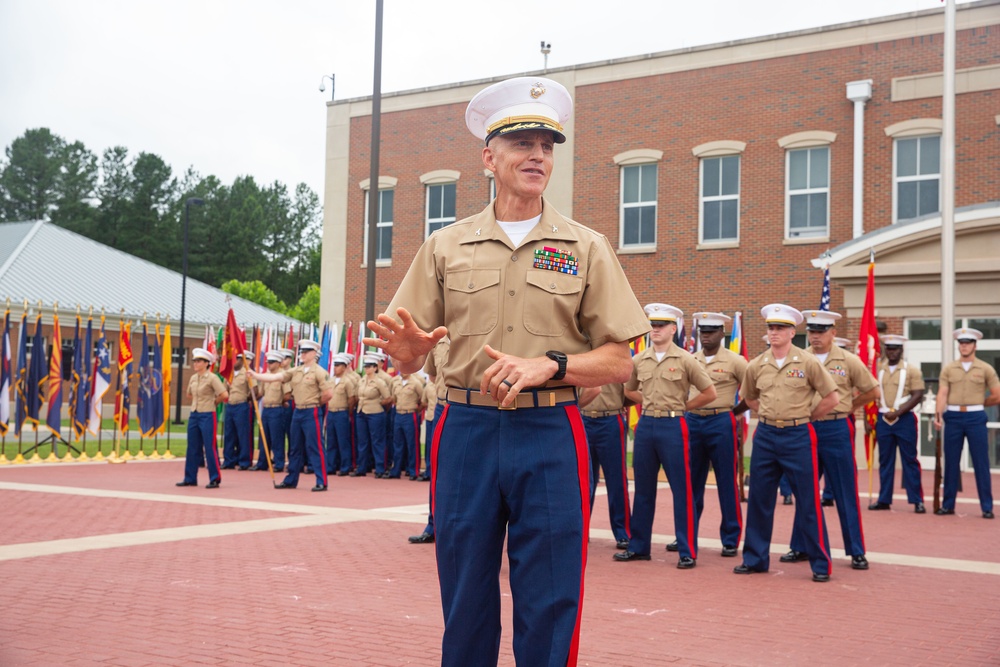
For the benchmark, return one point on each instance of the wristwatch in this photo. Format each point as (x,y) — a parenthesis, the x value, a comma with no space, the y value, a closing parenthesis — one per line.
(559,358)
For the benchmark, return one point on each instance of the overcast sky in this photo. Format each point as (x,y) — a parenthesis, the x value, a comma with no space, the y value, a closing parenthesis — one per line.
(231,87)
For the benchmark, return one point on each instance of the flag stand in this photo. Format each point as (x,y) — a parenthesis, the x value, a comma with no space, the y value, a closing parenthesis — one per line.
(113,457)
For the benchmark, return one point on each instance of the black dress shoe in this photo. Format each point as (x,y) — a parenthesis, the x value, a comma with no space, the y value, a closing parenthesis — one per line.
(422,538)
(728,552)
(342,473)
(987,515)
(827,502)
(424,478)
(229,466)
(355,473)
(880,506)
(673,546)
(919,508)
(243,468)
(743,568)
(212,485)
(622,544)
(319,487)
(284,485)
(627,556)
(859,562)
(794,556)
(279,468)
(388,476)
(686,563)
(186,484)
(787,500)
(942,511)
(821,578)
(413,478)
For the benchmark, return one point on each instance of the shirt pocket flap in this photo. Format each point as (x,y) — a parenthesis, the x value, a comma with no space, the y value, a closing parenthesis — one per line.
(554,282)
(472,280)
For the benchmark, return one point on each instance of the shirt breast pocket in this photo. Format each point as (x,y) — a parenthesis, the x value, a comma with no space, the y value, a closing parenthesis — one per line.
(551,301)
(472,305)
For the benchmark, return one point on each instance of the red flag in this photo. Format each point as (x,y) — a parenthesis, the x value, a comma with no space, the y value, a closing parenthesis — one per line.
(869,348)
(233,346)
(124,345)
(53,419)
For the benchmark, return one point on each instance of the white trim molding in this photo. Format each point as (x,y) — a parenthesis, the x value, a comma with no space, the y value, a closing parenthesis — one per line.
(384,183)
(915,127)
(807,139)
(437,177)
(638,156)
(717,148)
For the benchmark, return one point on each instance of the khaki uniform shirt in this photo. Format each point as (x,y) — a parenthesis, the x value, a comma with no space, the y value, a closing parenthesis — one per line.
(611,399)
(469,277)
(343,391)
(848,373)
(408,392)
(308,384)
(787,393)
(890,382)
(203,389)
(371,392)
(239,388)
(430,398)
(665,384)
(726,370)
(968,387)
(274,394)
(435,364)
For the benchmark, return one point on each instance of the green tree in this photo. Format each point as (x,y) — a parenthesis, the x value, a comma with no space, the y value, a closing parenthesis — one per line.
(30,176)
(258,292)
(307,309)
(76,190)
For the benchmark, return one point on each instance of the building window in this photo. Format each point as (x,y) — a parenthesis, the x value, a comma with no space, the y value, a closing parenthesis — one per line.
(807,202)
(720,199)
(383,244)
(638,205)
(440,206)
(917,177)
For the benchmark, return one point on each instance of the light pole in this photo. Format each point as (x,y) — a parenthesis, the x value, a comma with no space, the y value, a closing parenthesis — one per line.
(184,277)
(333,84)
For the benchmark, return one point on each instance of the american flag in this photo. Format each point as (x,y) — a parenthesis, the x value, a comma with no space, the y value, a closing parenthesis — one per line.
(824,301)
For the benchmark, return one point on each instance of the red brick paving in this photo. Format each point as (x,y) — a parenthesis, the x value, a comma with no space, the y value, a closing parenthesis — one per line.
(357,594)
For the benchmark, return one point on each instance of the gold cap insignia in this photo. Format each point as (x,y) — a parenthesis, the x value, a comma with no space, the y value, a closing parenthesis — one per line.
(537,90)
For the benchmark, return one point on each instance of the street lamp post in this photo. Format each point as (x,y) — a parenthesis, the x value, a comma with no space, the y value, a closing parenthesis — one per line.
(333,84)
(184,276)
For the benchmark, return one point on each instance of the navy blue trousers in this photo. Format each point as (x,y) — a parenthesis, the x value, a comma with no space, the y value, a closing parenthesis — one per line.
(835,444)
(606,437)
(406,444)
(664,442)
(338,441)
(521,474)
(901,435)
(791,451)
(429,446)
(371,441)
(273,422)
(715,440)
(237,448)
(201,445)
(306,442)
(958,427)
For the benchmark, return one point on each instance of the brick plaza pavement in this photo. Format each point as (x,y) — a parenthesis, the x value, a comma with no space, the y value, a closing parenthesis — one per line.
(113,565)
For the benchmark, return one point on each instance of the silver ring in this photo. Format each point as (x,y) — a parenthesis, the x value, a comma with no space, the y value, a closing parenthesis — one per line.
(508,383)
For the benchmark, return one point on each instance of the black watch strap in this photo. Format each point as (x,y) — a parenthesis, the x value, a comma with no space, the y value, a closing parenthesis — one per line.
(559,358)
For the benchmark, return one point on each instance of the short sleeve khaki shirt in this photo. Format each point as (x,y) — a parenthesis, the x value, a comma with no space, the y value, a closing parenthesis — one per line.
(889,381)
(611,398)
(469,277)
(371,392)
(204,387)
(665,384)
(239,388)
(435,364)
(968,387)
(786,393)
(408,393)
(274,394)
(308,384)
(849,374)
(343,391)
(726,369)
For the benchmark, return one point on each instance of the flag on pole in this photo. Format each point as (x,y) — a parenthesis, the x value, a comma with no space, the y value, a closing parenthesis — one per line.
(5,375)
(123,399)
(824,299)
(81,379)
(738,345)
(231,338)
(869,348)
(37,374)
(53,416)
(324,349)
(100,380)
(150,403)
(20,383)
(166,371)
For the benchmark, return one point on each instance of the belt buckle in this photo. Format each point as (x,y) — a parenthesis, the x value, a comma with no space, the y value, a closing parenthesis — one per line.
(780,423)
(512,406)
(963,408)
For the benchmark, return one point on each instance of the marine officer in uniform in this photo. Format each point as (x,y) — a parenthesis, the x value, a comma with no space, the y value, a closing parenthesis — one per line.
(205,390)
(662,377)
(338,421)
(962,397)
(273,396)
(780,386)
(311,388)
(902,390)
(603,410)
(237,446)
(536,304)
(835,434)
(714,428)
(373,395)
(408,400)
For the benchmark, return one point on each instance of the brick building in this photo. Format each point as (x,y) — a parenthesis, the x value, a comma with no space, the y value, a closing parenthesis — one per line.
(723,174)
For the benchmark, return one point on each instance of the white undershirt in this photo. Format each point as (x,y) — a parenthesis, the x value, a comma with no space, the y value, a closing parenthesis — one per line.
(516,231)
(822,357)
(780,362)
(708,359)
(892,369)
(966,365)
(659,356)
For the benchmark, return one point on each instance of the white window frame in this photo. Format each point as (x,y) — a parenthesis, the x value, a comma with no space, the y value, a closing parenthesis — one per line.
(809,234)
(623,206)
(380,225)
(702,199)
(897,179)
(443,221)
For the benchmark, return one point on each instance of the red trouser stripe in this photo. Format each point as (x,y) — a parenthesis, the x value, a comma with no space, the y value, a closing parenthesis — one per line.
(215,445)
(435,443)
(692,534)
(583,475)
(319,444)
(851,427)
(622,433)
(736,475)
(416,441)
(817,496)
